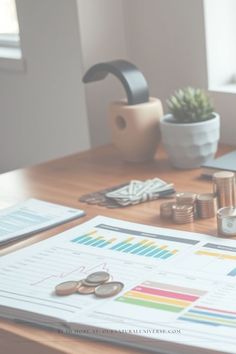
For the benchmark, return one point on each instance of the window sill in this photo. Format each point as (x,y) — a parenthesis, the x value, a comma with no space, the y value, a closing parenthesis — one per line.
(230,88)
(11,59)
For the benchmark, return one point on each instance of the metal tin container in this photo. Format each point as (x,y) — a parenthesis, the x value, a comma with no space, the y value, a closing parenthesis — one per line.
(226,221)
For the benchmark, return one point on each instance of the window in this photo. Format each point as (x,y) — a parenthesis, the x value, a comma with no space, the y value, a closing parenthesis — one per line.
(220,28)
(9,30)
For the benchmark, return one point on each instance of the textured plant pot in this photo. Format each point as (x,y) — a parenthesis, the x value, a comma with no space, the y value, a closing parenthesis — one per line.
(135,129)
(190,145)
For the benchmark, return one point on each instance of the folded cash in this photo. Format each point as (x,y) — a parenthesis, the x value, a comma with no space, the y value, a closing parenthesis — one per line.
(140,191)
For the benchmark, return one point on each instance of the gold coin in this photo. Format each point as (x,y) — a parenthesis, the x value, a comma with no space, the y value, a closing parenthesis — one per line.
(98,277)
(206,205)
(166,211)
(182,208)
(223,175)
(86,290)
(224,188)
(109,289)
(183,214)
(66,288)
(205,197)
(185,198)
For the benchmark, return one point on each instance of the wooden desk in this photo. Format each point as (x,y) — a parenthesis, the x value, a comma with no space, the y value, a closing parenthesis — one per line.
(63,181)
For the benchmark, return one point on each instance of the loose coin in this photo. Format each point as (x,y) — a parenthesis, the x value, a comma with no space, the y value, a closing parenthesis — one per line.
(87,283)
(109,289)
(66,288)
(86,290)
(98,277)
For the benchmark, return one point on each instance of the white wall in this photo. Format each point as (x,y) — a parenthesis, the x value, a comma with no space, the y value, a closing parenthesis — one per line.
(221,54)
(166,39)
(220,38)
(43,110)
(103,38)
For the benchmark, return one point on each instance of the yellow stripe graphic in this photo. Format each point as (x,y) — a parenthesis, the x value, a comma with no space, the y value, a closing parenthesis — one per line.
(155,298)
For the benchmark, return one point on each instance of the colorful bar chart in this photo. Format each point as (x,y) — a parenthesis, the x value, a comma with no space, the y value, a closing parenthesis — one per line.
(94,240)
(220,255)
(160,296)
(144,248)
(210,316)
(129,245)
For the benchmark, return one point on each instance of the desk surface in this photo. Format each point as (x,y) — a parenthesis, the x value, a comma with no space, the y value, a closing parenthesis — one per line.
(63,181)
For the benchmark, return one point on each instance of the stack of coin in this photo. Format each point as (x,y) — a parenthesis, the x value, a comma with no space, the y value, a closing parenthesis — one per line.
(186,198)
(183,214)
(96,283)
(92,281)
(226,221)
(166,211)
(224,188)
(206,205)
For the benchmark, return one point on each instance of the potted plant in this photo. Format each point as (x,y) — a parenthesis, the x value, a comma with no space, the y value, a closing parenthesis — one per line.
(190,132)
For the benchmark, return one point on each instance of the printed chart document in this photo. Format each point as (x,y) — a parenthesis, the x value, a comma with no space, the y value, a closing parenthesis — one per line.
(31,216)
(179,294)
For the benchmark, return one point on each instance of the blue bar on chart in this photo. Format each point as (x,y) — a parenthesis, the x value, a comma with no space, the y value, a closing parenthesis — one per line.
(122,245)
(83,238)
(232,273)
(144,248)
(130,245)
(94,240)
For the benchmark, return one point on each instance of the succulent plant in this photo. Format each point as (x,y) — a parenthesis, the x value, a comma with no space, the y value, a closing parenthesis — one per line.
(190,105)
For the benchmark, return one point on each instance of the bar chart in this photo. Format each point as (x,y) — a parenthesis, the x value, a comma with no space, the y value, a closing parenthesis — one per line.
(128,245)
(161,296)
(19,220)
(220,255)
(210,316)
(94,240)
(211,259)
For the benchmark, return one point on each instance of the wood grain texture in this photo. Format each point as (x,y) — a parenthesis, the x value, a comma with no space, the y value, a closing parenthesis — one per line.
(63,181)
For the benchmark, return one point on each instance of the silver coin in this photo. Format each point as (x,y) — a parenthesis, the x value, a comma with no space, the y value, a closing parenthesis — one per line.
(87,283)
(98,277)
(109,289)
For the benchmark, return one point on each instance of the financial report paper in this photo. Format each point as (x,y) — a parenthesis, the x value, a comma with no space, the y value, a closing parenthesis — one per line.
(32,216)
(179,293)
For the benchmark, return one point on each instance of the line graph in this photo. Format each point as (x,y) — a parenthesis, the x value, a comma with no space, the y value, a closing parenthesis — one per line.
(73,265)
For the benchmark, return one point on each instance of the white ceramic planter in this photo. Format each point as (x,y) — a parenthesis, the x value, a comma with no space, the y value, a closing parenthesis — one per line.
(190,145)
